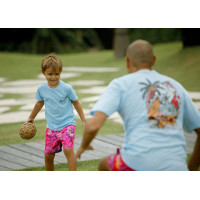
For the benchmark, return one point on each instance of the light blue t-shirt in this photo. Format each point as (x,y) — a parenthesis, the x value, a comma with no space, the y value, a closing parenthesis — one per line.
(154,109)
(58,105)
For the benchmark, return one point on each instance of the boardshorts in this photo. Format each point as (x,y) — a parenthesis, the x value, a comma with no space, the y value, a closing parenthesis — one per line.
(116,163)
(55,140)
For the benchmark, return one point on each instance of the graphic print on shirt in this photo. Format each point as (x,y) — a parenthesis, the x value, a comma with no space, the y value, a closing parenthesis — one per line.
(63,99)
(162,102)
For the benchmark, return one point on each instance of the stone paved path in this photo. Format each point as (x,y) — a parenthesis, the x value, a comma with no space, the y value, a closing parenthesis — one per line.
(30,154)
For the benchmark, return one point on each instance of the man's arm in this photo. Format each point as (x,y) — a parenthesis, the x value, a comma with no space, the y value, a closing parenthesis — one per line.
(90,131)
(38,106)
(194,161)
(79,110)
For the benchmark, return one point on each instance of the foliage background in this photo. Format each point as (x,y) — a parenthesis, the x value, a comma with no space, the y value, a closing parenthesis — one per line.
(71,40)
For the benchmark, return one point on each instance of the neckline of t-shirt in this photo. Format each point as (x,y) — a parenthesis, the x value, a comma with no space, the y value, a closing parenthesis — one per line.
(145,70)
(55,87)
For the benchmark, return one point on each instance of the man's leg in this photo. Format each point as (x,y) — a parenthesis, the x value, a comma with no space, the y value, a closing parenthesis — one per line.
(49,161)
(114,163)
(103,164)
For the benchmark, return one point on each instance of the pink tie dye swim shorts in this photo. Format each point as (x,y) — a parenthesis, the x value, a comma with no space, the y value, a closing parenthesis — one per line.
(116,163)
(55,140)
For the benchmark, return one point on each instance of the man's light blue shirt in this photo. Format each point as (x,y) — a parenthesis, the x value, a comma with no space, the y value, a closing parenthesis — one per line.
(155,109)
(58,104)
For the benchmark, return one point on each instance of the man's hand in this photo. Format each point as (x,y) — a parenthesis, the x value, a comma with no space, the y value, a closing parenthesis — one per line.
(194,162)
(84,123)
(81,150)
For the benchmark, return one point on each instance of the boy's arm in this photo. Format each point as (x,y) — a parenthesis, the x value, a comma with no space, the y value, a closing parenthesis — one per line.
(38,106)
(194,162)
(79,110)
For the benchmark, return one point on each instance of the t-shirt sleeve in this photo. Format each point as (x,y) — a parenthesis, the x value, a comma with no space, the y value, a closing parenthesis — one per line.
(109,101)
(191,115)
(38,95)
(72,94)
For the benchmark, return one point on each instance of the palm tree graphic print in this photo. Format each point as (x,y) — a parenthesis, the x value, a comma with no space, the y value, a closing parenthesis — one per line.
(162,102)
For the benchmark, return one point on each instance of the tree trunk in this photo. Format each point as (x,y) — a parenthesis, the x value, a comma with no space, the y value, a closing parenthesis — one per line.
(190,37)
(121,42)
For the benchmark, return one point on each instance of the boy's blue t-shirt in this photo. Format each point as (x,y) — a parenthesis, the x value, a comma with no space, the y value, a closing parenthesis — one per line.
(155,109)
(58,105)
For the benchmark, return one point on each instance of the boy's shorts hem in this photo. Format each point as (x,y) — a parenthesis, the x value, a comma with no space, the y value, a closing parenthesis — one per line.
(116,163)
(56,140)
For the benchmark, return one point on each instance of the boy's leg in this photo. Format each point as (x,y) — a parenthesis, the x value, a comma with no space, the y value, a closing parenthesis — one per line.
(51,147)
(103,164)
(68,136)
(49,161)
(71,158)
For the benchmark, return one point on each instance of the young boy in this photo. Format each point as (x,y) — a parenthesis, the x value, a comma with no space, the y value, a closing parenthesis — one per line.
(59,99)
(155,109)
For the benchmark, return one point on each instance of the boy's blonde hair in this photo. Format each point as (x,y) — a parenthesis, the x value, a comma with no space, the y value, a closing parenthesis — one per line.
(51,61)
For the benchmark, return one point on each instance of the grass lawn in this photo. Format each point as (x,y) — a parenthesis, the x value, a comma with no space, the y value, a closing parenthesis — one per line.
(9,133)
(181,64)
(172,60)
(89,165)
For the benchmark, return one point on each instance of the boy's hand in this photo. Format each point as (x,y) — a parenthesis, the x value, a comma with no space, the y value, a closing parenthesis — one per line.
(29,120)
(81,150)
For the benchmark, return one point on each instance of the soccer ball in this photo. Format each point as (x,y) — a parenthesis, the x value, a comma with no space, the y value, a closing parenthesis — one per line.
(27,131)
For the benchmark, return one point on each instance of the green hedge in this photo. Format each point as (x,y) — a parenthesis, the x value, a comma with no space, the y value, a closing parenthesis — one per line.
(156,35)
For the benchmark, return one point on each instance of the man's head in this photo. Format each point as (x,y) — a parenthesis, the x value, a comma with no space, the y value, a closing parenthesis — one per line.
(139,55)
